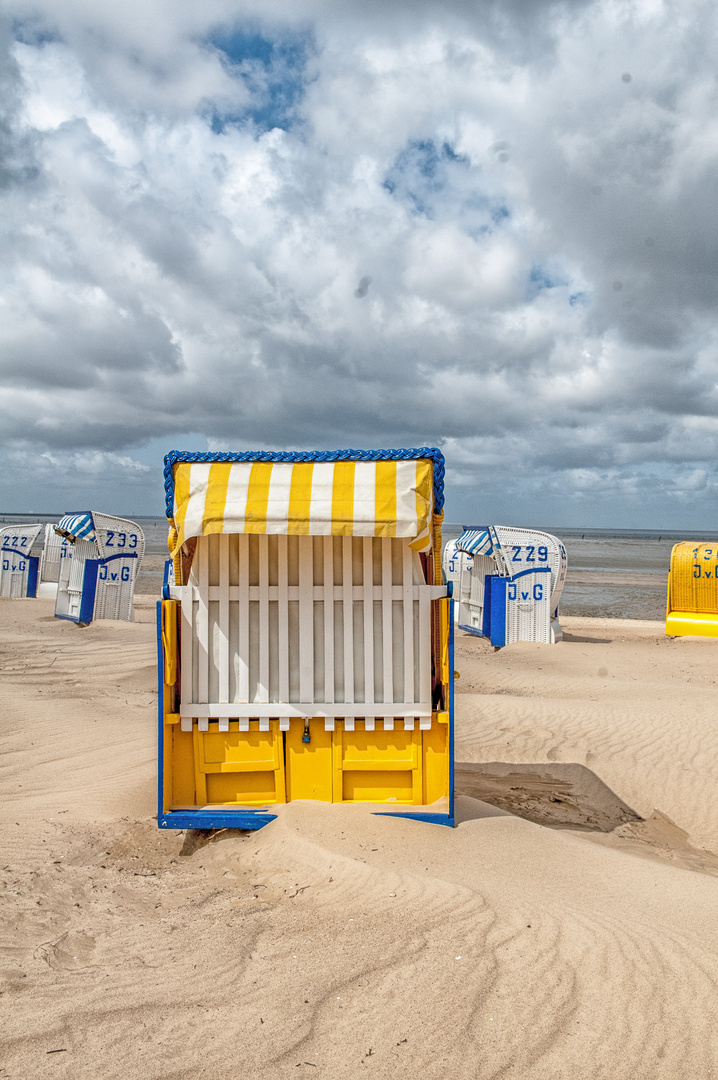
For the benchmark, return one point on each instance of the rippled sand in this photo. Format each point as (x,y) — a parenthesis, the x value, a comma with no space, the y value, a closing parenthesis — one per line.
(565,929)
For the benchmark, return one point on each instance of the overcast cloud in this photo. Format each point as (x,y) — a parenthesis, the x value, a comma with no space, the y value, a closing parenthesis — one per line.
(486,226)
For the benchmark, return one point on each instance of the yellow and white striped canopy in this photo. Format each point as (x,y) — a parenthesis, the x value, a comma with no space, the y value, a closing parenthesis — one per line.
(342,498)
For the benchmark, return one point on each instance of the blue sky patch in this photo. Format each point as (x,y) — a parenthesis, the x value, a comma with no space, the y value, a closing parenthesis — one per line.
(421,171)
(274,72)
(540,278)
(437,182)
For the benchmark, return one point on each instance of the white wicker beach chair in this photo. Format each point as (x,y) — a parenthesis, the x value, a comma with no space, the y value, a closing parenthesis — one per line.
(98,581)
(18,566)
(505,594)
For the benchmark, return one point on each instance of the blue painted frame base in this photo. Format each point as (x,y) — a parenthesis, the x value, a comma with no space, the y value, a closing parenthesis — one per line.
(255,819)
(214,819)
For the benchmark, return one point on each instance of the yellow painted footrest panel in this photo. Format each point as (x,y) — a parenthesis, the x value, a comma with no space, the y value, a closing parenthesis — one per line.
(262,767)
(699,624)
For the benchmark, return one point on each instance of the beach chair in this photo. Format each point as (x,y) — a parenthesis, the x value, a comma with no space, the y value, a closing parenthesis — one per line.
(18,566)
(512,590)
(305,643)
(98,581)
(692,602)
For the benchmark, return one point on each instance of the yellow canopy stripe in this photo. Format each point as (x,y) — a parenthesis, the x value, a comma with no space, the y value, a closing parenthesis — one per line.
(343,498)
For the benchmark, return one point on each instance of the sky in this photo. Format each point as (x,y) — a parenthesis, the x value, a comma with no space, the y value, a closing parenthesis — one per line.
(490,227)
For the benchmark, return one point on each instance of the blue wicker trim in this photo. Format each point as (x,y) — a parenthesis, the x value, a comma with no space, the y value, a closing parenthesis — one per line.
(430,452)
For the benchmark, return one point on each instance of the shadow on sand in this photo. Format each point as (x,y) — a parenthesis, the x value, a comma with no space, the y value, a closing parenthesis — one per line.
(570,796)
(558,795)
(582,639)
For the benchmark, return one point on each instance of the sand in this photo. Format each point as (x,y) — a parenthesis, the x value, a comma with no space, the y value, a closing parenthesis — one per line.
(565,929)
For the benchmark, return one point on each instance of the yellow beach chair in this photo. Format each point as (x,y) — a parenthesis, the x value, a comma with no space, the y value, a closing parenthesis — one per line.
(692,603)
(305,636)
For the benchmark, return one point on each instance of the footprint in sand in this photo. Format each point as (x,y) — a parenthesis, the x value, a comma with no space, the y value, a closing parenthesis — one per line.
(72,951)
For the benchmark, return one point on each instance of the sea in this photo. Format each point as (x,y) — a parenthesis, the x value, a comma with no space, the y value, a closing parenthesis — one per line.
(612,573)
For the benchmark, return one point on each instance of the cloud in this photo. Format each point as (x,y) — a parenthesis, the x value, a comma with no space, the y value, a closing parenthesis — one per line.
(196,197)
(56,481)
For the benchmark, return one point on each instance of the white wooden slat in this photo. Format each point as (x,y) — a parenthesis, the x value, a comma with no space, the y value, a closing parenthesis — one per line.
(307,709)
(203,624)
(425,650)
(348,617)
(233,603)
(328,618)
(407,571)
(186,679)
(435,592)
(263,686)
(306,619)
(223,642)
(243,616)
(282,618)
(368,601)
(387,636)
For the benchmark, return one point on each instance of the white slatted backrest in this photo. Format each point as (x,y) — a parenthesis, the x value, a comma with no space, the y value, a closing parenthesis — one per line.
(315,625)
(472,589)
(56,548)
(72,571)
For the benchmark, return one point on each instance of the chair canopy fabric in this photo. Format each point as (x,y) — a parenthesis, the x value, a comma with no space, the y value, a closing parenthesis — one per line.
(76,527)
(476,542)
(328,498)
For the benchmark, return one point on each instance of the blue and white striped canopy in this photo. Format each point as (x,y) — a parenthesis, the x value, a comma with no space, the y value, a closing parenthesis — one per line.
(476,542)
(76,527)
